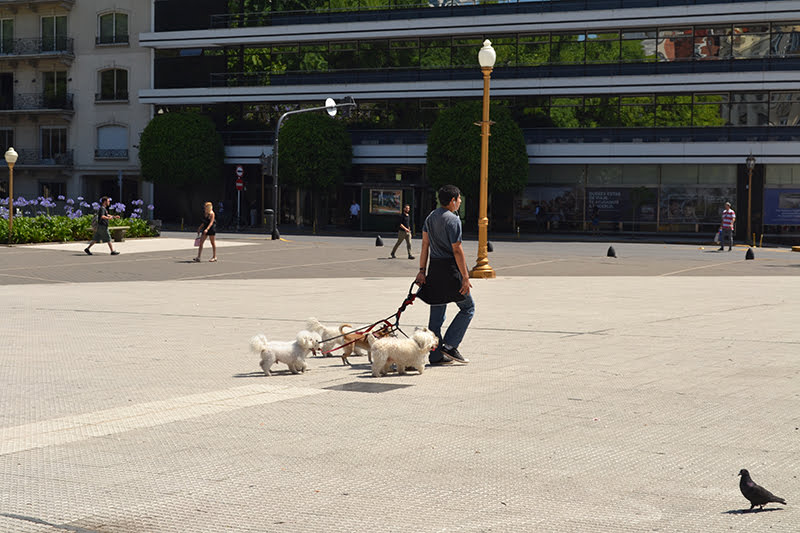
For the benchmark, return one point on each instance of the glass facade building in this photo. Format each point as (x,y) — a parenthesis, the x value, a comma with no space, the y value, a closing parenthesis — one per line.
(638,114)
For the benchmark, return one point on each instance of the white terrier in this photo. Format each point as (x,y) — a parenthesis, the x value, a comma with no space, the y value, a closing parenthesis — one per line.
(325,332)
(293,353)
(402,352)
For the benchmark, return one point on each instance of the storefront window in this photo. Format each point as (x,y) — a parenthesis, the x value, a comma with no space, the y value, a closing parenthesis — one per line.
(782,175)
(604,175)
(534,49)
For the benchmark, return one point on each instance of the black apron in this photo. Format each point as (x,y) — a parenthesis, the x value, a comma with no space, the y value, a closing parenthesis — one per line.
(442,283)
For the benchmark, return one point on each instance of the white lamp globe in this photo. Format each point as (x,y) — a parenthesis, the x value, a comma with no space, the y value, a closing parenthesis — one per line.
(487,55)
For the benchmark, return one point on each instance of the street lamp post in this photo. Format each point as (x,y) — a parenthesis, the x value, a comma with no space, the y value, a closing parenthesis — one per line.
(751,163)
(330,106)
(265,164)
(11,158)
(486,59)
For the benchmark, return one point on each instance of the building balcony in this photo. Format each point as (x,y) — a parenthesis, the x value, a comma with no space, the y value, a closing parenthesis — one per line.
(35,158)
(111,154)
(34,5)
(37,102)
(37,48)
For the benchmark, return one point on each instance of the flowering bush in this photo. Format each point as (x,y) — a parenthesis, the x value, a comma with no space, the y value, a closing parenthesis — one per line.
(34,222)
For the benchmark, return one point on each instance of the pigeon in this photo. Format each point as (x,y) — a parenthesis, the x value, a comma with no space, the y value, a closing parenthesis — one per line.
(757,494)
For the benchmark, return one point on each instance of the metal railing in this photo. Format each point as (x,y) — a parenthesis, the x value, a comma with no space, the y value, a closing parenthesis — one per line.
(327,13)
(112,39)
(119,96)
(115,153)
(35,46)
(38,102)
(37,158)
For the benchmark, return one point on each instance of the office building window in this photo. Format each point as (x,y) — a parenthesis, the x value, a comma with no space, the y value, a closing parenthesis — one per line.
(54,144)
(113,84)
(112,28)
(55,89)
(6,138)
(7,36)
(112,142)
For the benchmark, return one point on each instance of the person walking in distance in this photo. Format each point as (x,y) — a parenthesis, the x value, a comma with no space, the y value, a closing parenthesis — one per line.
(355,209)
(209,230)
(445,278)
(404,231)
(728,221)
(101,233)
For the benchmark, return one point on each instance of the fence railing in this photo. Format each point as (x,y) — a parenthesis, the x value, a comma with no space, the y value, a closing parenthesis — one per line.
(118,154)
(28,157)
(37,46)
(37,102)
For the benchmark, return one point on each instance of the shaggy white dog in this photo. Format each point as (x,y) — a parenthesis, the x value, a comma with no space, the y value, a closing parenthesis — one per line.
(411,352)
(325,332)
(293,353)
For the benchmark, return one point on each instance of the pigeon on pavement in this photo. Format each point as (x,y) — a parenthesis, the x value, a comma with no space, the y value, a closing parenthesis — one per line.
(757,494)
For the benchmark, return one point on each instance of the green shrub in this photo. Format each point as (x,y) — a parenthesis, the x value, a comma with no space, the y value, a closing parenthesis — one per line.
(43,228)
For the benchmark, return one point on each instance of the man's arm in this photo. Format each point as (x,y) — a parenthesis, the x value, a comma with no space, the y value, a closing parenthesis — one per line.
(461,261)
(423,259)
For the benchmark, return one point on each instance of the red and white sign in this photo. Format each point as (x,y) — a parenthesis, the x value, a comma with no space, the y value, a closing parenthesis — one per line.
(239,184)
(239,171)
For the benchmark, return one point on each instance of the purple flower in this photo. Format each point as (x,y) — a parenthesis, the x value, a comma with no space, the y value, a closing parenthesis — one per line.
(60,197)
(134,215)
(84,204)
(70,201)
(151,207)
(95,206)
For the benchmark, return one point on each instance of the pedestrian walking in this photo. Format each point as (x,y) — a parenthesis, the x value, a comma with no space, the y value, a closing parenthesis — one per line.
(101,233)
(728,221)
(445,279)
(355,210)
(208,229)
(404,231)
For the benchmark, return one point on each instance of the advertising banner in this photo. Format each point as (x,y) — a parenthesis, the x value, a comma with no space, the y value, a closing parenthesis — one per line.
(622,204)
(782,207)
(694,205)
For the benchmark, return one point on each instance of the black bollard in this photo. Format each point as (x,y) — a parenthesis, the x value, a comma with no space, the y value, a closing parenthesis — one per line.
(489,247)
(749,254)
(379,241)
(275,234)
(611,252)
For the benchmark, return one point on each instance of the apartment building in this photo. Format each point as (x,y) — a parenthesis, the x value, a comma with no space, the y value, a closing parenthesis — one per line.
(640,113)
(70,74)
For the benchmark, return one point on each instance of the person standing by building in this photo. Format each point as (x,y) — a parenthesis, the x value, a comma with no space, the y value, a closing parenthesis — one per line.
(445,278)
(728,221)
(404,231)
(209,230)
(355,209)
(101,232)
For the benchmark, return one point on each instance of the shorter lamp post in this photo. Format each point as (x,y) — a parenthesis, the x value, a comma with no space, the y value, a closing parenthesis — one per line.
(751,163)
(11,158)
(486,59)
(266,162)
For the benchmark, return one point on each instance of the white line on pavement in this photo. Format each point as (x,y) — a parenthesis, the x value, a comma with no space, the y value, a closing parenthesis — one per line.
(112,421)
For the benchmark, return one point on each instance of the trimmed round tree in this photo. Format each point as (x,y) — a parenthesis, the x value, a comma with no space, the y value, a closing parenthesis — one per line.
(180,149)
(454,151)
(314,152)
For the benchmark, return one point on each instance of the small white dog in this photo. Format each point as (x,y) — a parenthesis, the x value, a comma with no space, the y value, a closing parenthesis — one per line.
(403,352)
(293,353)
(325,332)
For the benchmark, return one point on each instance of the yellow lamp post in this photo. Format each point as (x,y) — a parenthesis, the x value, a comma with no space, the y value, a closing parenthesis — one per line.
(486,59)
(11,158)
(751,163)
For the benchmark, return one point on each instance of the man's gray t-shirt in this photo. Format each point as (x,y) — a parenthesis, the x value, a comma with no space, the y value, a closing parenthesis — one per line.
(444,229)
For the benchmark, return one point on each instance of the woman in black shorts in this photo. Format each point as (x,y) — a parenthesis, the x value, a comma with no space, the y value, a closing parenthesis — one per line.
(208,229)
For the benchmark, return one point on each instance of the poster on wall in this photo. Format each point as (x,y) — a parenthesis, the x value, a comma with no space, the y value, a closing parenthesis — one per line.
(782,207)
(694,205)
(385,201)
(622,204)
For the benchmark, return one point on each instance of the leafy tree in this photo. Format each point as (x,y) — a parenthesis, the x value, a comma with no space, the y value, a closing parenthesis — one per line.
(180,149)
(454,151)
(314,152)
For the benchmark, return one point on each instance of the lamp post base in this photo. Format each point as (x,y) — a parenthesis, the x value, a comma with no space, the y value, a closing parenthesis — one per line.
(482,272)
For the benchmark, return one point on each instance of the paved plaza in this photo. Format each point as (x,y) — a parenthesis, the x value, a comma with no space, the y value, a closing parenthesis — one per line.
(603,394)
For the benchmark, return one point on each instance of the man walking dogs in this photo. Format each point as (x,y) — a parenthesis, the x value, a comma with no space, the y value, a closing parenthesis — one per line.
(445,278)
(101,233)
(728,220)
(404,231)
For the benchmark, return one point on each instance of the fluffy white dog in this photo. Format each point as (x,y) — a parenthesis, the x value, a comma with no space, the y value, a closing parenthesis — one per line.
(325,332)
(293,353)
(403,352)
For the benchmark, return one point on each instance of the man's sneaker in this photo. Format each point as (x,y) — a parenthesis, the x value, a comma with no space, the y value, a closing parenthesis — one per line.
(442,362)
(88,252)
(115,252)
(411,257)
(453,354)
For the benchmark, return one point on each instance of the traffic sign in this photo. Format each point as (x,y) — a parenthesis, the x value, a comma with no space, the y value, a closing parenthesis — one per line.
(239,184)
(239,171)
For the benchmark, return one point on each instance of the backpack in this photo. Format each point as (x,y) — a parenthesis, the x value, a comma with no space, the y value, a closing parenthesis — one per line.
(94,222)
